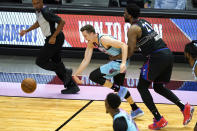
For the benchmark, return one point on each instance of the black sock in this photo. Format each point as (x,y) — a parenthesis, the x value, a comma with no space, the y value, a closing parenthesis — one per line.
(115,87)
(180,105)
(127,95)
(156,114)
(134,106)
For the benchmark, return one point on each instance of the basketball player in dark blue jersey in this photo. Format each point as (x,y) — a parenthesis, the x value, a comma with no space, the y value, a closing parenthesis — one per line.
(157,66)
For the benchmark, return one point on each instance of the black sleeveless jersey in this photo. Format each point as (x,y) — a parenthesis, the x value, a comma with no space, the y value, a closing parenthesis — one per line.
(150,41)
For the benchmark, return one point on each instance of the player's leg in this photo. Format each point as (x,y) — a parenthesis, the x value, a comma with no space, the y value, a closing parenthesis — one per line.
(98,77)
(136,111)
(159,87)
(44,59)
(62,72)
(47,52)
(148,74)
(68,81)
(159,121)
(186,109)
(65,76)
(44,56)
(118,86)
(109,70)
(103,75)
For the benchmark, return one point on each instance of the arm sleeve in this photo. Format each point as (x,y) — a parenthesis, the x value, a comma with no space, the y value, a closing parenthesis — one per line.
(51,17)
(120,124)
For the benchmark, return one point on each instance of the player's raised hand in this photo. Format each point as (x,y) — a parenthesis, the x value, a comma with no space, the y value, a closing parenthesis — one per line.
(77,80)
(23,32)
(123,68)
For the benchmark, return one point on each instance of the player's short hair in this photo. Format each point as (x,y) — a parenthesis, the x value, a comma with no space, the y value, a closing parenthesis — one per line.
(191,49)
(88,28)
(113,100)
(133,10)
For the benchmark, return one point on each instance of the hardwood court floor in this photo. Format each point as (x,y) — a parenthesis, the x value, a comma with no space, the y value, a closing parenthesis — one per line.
(94,118)
(37,114)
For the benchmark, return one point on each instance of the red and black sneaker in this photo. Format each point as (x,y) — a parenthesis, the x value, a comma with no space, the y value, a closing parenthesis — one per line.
(158,124)
(187,113)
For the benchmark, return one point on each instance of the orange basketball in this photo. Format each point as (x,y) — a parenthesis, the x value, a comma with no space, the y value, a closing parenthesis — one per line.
(28,85)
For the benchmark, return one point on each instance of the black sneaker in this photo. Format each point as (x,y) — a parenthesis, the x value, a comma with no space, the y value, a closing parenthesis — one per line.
(72,88)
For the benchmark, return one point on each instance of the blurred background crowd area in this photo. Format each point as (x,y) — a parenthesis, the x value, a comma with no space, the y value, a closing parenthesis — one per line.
(154,4)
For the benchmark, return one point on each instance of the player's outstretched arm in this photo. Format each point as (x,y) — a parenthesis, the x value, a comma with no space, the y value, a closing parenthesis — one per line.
(85,62)
(34,26)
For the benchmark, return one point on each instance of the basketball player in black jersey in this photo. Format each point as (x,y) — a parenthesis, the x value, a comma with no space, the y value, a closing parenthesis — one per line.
(157,67)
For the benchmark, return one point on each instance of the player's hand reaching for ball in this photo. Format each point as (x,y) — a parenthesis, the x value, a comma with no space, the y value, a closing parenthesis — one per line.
(77,80)
(23,32)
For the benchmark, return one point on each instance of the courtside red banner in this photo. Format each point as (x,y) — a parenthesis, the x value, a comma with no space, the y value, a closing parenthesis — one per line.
(174,37)
(175,32)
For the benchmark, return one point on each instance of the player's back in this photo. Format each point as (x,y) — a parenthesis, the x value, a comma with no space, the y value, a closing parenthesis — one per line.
(149,41)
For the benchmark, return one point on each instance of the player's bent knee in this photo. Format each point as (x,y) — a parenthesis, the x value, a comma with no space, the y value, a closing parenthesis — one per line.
(93,76)
(97,77)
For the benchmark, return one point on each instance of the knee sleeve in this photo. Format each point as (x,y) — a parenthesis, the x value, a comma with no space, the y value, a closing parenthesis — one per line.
(119,79)
(97,77)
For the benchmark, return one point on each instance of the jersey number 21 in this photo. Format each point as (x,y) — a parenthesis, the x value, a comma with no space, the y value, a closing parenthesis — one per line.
(147,26)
